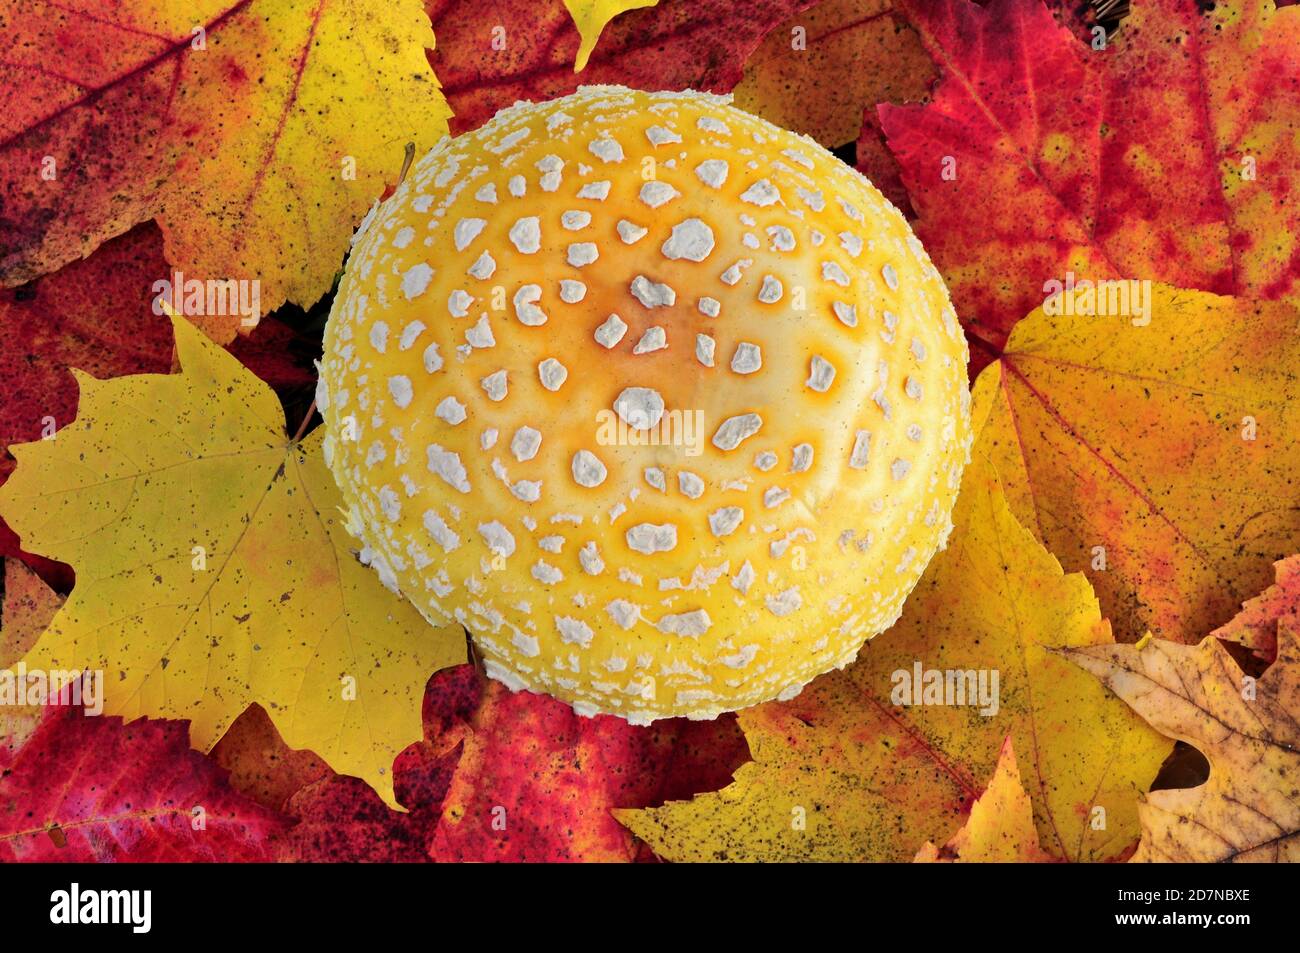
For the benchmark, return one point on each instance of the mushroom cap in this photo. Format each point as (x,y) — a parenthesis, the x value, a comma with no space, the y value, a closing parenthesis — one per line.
(665,404)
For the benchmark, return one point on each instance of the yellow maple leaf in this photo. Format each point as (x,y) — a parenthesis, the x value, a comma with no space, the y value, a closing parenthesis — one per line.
(299,148)
(591,16)
(1001,824)
(214,571)
(1153,457)
(1247,728)
(852,770)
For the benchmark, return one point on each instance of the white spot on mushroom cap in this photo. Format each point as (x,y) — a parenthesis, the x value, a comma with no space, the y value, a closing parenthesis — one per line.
(458,303)
(480,335)
(552,374)
(691,485)
(659,136)
(890,276)
(495,385)
(652,294)
(691,239)
(409,334)
(526,234)
(571,291)
(517,186)
(630,232)
(595,190)
(525,443)
(466,230)
(575,220)
(861,454)
(847,313)
(500,541)
(831,271)
(801,458)
(653,339)
(712,124)
(692,624)
(771,291)
(747,358)
(734,272)
(639,407)
(762,193)
(656,193)
(582,253)
(483,268)
(587,469)
(403,237)
(574,631)
(416,280)
(709,307)
(724,521)
(606,149)
(442,534)
(704,349)
(399,387)
(611,331)
(651,538)
(589,557)
(451,410)
(821,374)
(526,309)
(780,237)
(712,172)
(765,460)
(446,464)
(432,359)
(734,430)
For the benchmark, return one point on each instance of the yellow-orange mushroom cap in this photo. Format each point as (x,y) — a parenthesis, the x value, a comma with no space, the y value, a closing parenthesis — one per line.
(666,405)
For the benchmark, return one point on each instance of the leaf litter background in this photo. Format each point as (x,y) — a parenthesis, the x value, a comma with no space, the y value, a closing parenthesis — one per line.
(1164,688)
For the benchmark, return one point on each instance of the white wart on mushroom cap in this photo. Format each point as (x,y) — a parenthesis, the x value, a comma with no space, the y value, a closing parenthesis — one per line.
(666,405)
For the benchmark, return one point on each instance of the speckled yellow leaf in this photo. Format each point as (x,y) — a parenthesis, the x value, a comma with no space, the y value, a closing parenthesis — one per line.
(590,17)
(1160,459)
(213,570)
(1249,731)
(1001,824)
(309,106)
(848,771)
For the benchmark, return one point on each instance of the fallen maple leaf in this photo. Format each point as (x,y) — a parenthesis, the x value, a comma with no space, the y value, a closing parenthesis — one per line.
(536,782)
(92,789)
(850,771)
(818,71)
(493,52)
(1248,729)
(214,571)
(257,132)
(1274,610)
(1166,155)
(1159,459)
(1000,828)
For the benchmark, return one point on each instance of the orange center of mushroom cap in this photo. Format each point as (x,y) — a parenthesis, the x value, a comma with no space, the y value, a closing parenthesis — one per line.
(665,404)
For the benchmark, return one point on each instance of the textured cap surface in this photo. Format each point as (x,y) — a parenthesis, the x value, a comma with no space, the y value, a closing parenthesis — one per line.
(665,404)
